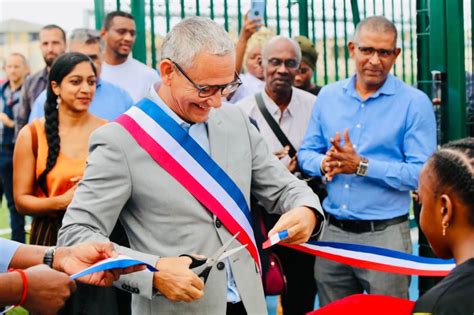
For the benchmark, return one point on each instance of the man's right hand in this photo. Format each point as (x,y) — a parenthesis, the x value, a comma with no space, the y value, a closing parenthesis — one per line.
(282,153)
(48,290)
(176,281)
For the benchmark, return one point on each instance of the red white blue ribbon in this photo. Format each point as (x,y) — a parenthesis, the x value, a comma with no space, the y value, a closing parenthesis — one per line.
(374,258)
(184,159)
(121,261)
(275,238)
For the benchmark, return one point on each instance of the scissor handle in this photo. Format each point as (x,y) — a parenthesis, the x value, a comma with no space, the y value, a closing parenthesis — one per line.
(205,273)
(195,262)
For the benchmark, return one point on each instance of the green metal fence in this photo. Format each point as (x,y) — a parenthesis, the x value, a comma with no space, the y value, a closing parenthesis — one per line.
(329,23)
(423,25)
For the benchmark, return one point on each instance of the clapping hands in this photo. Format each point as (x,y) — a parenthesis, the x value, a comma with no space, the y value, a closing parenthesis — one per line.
(340,159)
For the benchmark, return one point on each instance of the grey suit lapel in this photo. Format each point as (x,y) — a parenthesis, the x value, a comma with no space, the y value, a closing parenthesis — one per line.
(217,139)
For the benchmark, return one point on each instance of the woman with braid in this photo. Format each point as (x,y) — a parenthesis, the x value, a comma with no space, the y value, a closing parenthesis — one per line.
(50,155)
(446,193)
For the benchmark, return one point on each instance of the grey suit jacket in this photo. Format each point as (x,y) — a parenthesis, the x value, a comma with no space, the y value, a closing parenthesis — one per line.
(161,218)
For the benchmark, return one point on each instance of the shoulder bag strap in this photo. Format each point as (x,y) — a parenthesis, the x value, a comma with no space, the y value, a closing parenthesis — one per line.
(274,125)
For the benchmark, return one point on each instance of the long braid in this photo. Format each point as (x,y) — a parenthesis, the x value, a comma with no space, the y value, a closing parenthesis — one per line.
(63,65)
(454,169)
(54,142)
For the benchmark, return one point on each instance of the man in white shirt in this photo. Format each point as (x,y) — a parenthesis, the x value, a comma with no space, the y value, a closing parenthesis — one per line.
(118,67)
(291,109)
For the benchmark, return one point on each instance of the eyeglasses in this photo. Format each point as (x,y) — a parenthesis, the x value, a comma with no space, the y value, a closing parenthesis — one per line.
(209,90)
(382,53)
(289,63)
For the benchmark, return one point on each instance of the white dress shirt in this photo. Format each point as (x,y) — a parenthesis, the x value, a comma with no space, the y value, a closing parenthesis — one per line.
(293,121)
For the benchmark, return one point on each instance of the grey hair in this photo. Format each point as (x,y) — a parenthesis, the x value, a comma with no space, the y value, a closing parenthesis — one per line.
(195,35)
(375,24)
(272,41)
(86,36)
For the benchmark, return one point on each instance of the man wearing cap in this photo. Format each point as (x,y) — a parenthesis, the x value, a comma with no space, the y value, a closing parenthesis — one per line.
(309,57)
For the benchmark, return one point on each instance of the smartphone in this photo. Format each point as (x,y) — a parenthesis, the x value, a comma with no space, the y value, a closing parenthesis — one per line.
(257,9)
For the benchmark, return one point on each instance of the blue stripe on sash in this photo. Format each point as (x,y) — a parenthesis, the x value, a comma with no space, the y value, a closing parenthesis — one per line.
(197,152)
(382,252)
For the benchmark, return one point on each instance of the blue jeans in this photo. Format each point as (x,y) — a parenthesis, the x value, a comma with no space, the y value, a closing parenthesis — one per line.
(17,221)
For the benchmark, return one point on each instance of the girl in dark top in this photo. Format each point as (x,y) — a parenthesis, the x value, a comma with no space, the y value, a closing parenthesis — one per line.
(446,191)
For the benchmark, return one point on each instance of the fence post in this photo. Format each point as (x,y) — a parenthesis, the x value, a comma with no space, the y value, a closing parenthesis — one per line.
(303,17)
(99,13)
(153,35)
(138,12)
(456,79)
(355,12)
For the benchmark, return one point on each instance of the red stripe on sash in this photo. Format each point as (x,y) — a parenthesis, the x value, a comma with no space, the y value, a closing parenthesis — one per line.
(178,172)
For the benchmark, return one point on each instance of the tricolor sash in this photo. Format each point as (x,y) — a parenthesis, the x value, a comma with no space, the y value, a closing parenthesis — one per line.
(185,160)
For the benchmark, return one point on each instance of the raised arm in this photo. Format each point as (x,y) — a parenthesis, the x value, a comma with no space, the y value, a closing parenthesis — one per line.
(248,29)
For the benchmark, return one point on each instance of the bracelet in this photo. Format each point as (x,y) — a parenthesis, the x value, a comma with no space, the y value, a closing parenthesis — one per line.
(25,285)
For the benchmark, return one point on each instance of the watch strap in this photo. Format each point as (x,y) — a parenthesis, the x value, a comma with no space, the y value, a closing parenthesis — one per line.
(362,167)
(48,258)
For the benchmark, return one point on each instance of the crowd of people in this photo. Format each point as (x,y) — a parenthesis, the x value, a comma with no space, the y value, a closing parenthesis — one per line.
(98,148)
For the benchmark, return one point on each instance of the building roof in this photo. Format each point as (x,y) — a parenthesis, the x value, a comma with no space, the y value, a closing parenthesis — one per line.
(19,26)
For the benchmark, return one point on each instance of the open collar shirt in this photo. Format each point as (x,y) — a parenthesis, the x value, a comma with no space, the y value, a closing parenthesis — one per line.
(293,121)
(394,128)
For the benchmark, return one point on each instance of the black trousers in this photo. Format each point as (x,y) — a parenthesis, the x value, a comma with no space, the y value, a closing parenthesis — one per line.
(236,309)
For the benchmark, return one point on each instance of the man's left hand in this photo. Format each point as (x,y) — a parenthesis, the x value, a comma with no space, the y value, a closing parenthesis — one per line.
(79,257)
(300,223)
(342,159)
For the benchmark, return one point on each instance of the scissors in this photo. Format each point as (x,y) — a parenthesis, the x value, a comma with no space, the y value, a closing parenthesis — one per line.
(210,262)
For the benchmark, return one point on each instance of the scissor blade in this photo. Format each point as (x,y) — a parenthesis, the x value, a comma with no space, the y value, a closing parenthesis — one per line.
(232,252)
(221,250)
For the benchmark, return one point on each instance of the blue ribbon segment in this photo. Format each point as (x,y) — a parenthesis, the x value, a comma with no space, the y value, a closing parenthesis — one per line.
(112,264)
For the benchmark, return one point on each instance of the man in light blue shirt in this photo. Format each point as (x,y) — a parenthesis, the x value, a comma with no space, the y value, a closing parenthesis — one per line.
(110,101)
(369,135)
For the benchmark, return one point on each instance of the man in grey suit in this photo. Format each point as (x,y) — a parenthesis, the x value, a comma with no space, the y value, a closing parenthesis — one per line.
(161,217)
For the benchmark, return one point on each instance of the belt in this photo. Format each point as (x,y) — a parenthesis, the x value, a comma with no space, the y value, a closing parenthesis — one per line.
(363,226)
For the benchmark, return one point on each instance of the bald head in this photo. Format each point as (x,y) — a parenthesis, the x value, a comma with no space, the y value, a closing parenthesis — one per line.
(375,24)
(279,42)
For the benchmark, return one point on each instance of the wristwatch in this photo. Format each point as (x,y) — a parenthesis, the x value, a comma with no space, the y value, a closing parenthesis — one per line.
(362,167)
(48,258)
